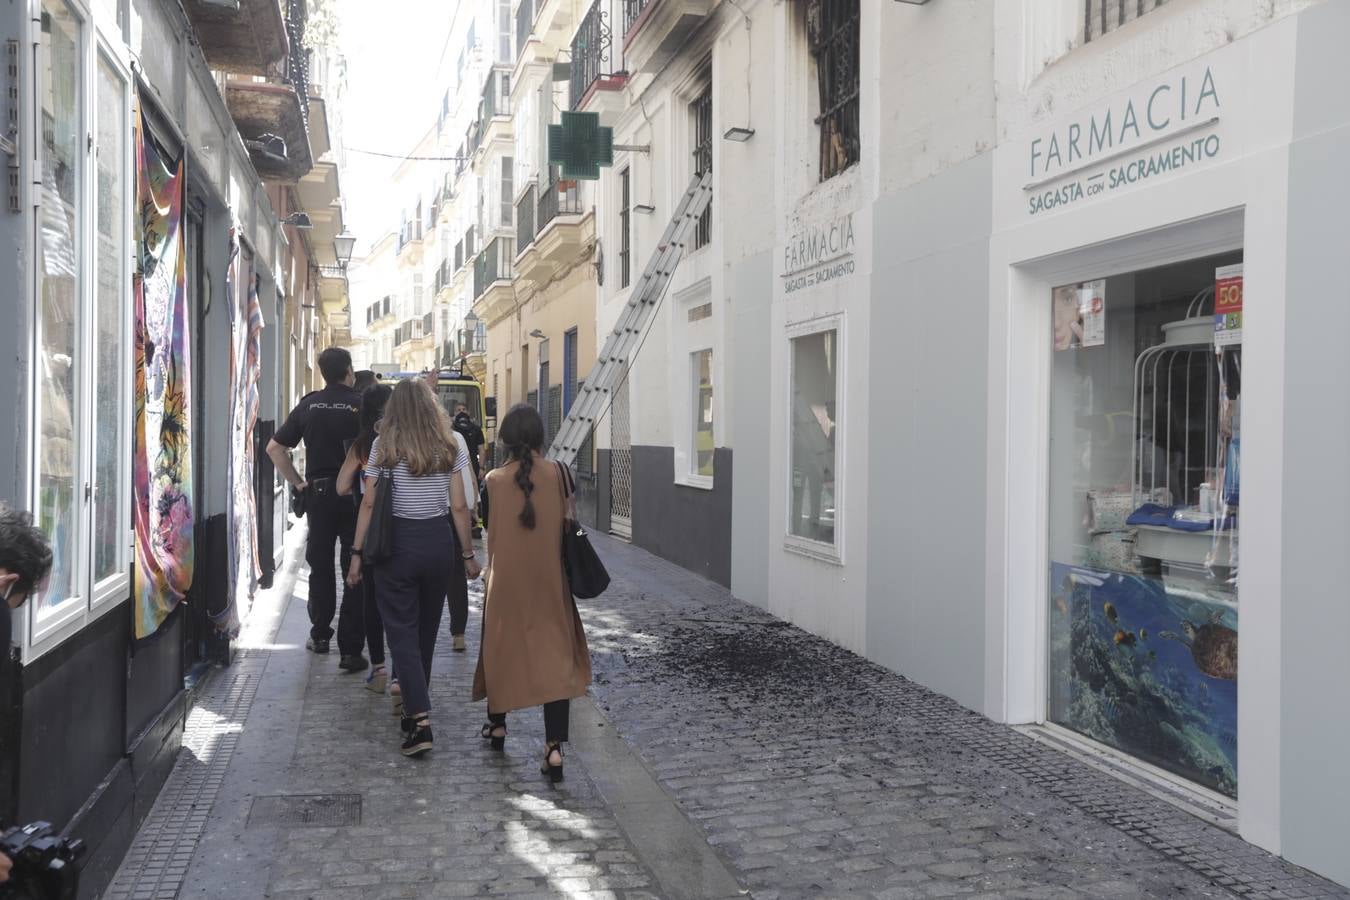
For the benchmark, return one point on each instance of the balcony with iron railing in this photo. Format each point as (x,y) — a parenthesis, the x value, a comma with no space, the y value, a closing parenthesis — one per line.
(525,217)
(655,30)
(493,266)
(596,62)
(409,331)
(244,38)
(563,229)
(272,114)
(561,197)
(429,325)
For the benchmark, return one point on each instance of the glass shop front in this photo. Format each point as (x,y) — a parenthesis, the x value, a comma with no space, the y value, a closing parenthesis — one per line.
(1144,491)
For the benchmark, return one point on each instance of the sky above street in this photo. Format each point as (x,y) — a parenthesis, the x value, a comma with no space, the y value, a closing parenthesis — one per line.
(393,50)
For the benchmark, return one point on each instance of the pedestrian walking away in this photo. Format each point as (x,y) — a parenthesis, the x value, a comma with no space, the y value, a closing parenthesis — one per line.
(533,651)
(473,436)
(327,422)
(417,453)
(349,482)
(458,588)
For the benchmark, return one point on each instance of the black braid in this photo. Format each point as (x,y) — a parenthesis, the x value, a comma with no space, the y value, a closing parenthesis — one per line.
(526,459)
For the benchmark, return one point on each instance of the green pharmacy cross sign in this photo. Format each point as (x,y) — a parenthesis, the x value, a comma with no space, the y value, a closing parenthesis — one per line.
(580,145)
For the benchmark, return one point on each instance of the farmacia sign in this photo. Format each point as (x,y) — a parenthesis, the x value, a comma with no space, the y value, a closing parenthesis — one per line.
(1132,139)
(820,253)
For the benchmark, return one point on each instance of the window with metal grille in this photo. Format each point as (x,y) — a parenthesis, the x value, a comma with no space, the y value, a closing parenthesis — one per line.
(833,33)
(625,231)
(553,416)
(701,113)
(1101,17)
(569,369)
(508,209)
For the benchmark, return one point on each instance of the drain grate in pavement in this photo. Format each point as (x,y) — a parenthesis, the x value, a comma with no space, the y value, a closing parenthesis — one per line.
(312,810)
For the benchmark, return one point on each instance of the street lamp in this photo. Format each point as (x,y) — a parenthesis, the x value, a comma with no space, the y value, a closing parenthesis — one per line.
(470,331)
(343,246)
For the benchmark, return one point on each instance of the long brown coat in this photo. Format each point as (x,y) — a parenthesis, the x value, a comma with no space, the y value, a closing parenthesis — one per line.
(534,648)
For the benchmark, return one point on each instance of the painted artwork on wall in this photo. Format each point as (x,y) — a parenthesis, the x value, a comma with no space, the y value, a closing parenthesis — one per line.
(162,463)
(1147,667)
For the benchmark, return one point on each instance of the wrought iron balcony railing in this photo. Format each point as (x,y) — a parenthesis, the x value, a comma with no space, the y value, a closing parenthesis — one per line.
(632,11)
(494,264)
(562,197)
(525,211)
(591,50)
(496,96)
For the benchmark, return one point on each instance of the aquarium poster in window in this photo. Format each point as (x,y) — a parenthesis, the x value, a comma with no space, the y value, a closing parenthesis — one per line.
(1147,667)
(1228,306)
(1080,315)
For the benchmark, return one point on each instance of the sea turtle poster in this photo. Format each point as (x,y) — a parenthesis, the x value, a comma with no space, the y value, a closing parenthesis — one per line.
(1148,668)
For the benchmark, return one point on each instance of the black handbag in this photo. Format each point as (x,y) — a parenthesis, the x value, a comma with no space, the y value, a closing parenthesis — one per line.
(379,542)
(586,574)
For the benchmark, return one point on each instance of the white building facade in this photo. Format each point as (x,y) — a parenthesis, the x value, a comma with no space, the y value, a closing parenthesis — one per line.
(967,319)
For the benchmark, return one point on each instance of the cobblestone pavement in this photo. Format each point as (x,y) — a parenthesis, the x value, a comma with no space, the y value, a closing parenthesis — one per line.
(816,773)
(811,773)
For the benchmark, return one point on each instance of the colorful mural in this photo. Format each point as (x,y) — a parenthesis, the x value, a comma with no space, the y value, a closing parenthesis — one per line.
(162,466)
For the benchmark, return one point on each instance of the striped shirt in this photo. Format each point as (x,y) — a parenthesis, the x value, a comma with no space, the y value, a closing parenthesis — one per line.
(424,497)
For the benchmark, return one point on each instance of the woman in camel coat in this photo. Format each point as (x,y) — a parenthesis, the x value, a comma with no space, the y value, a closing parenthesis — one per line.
(533,651)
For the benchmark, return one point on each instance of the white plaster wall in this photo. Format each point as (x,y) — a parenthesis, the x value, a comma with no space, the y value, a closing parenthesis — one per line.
(1314,709)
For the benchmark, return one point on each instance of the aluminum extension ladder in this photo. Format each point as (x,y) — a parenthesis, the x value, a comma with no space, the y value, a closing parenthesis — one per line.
(623,343)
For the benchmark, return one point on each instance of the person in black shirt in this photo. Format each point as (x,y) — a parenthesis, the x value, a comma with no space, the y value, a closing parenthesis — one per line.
(327,421)
(474,438)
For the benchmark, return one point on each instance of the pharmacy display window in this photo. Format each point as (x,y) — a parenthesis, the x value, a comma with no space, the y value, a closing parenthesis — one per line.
(1144,499)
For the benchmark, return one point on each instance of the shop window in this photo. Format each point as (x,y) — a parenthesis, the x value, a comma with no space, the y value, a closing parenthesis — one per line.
(813,510)
(700,112)
(112,449)
(625,229)
(1145,440)
(833,33)
(702,403)
(60,444)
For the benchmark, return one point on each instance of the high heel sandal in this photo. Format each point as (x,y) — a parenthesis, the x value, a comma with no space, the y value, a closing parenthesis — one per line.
(554,773)
(498,741)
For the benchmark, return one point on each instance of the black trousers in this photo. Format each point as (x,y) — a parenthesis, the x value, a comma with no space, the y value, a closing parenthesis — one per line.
(410,591)
(457,589)
(374,621)
(557,715)
(332,523)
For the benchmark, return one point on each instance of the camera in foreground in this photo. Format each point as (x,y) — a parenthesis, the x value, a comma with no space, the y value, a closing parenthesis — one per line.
(44,863)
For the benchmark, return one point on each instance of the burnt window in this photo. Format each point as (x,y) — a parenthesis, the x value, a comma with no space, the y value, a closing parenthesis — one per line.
(1103,16)
(625,231)
(701,113)
(832,30)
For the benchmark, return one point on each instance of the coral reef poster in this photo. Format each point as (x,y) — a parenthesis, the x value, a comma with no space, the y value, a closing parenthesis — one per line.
(162,462)
(1148,668)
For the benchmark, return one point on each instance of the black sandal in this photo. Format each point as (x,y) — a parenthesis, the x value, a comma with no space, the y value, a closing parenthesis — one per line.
(498,743)
(554,773)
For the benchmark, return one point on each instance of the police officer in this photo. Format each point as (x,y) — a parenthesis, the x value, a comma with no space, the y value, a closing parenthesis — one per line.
(327,421)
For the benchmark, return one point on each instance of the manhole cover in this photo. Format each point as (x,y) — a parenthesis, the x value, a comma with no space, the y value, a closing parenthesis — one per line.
(315,810)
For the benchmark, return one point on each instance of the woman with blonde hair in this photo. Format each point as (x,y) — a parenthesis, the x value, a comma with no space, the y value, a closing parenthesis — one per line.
(534,649)
(416,447)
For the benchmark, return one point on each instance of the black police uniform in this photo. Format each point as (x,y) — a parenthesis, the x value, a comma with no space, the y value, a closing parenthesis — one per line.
(328,421)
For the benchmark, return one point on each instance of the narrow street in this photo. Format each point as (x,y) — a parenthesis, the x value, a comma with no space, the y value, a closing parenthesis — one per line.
(723,753)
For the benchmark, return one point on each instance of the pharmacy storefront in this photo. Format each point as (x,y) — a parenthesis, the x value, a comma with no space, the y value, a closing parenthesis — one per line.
(1167,324)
